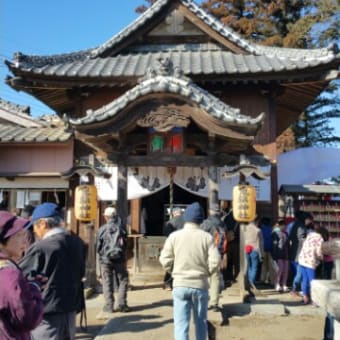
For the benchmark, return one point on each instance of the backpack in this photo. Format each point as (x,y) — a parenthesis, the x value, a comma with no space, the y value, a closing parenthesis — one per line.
(221,241)
(112,242)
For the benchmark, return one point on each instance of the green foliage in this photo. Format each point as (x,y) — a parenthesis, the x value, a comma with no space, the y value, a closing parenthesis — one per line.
(313,128)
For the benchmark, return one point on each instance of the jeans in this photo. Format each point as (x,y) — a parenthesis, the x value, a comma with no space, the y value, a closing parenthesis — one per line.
(308,274)
(298,277)
(185,299)
(329,328)
(253,260)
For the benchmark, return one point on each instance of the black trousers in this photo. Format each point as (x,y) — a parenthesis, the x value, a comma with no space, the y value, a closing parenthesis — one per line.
(109,271)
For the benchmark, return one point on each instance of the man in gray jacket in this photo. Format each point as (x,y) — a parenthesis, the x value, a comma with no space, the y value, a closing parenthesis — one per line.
(192,256)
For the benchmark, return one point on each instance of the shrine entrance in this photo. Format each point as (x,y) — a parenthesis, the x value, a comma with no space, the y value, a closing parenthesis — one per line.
(157,207)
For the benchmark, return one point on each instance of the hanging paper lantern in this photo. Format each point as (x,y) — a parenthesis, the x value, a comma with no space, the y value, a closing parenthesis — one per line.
(244,203)
(85,203)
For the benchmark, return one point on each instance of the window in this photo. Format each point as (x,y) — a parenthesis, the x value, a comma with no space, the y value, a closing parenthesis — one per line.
(166,142)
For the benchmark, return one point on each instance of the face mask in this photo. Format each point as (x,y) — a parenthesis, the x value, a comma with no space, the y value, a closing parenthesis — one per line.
(310,225)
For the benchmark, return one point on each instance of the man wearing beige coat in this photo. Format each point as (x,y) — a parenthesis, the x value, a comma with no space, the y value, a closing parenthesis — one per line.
(191,255)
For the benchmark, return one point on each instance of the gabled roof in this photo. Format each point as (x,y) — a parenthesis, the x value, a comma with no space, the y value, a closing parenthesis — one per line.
(210,52)
(15,114)
(152,11)
(106,58)
(167,80)
(216,25)
(17,134)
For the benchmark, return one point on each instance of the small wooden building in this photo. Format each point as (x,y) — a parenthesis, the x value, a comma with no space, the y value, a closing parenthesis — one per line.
(176,89)
(34,153)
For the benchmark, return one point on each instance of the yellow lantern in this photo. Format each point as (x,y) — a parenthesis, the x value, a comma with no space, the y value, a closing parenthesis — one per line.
(85,203)
(244,203)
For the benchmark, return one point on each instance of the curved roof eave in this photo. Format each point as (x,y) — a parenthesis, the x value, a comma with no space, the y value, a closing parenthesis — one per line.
(190,62)
(169,84)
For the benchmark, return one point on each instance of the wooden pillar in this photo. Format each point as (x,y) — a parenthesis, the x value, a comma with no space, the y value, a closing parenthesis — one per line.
(274,191)
(243,264)
(273,153)
(91,254)
(135,211)
(213,187)
(122,202)
(212,174)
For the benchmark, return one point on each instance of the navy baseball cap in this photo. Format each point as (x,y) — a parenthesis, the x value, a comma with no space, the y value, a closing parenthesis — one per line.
(44,210)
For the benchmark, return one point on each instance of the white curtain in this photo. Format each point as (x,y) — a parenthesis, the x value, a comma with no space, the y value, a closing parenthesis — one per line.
(144,181)
(194,180)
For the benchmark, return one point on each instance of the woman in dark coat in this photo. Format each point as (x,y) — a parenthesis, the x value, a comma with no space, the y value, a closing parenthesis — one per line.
(280,245)
(21,305)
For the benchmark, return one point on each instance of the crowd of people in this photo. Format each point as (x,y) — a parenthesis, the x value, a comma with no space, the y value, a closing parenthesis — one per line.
(42,265)
(287,254)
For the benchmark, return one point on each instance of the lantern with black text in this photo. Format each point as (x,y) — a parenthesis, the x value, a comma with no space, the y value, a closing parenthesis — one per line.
(85,203)
(244,203)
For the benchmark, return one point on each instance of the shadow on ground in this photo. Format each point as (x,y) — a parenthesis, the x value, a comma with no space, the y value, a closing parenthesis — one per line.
(134,323)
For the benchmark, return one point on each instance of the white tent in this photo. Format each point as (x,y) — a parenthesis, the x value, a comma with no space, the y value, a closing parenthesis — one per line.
(308,165)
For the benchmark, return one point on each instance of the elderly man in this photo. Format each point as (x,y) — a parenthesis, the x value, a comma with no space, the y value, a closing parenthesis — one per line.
(191,255)
(61,257)
(111,243)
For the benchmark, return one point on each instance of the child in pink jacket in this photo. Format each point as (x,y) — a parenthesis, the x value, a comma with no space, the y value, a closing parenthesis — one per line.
(309,258)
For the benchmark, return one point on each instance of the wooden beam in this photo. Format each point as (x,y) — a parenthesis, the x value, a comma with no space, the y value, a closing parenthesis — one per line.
(174,160)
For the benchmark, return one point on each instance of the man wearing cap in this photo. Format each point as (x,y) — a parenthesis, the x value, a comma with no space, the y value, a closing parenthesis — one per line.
(191,255)
(113,266)
(61,257)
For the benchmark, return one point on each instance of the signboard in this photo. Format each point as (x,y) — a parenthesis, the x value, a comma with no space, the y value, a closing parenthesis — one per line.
(244,203)
(85,203)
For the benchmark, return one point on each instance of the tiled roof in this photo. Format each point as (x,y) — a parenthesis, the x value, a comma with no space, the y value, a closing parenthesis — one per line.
(19,115)
(190,58)
(155,82)
(15,134)
(14,108)
(191,63)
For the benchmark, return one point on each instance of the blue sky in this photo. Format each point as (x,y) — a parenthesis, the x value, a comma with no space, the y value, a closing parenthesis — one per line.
(53,27)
